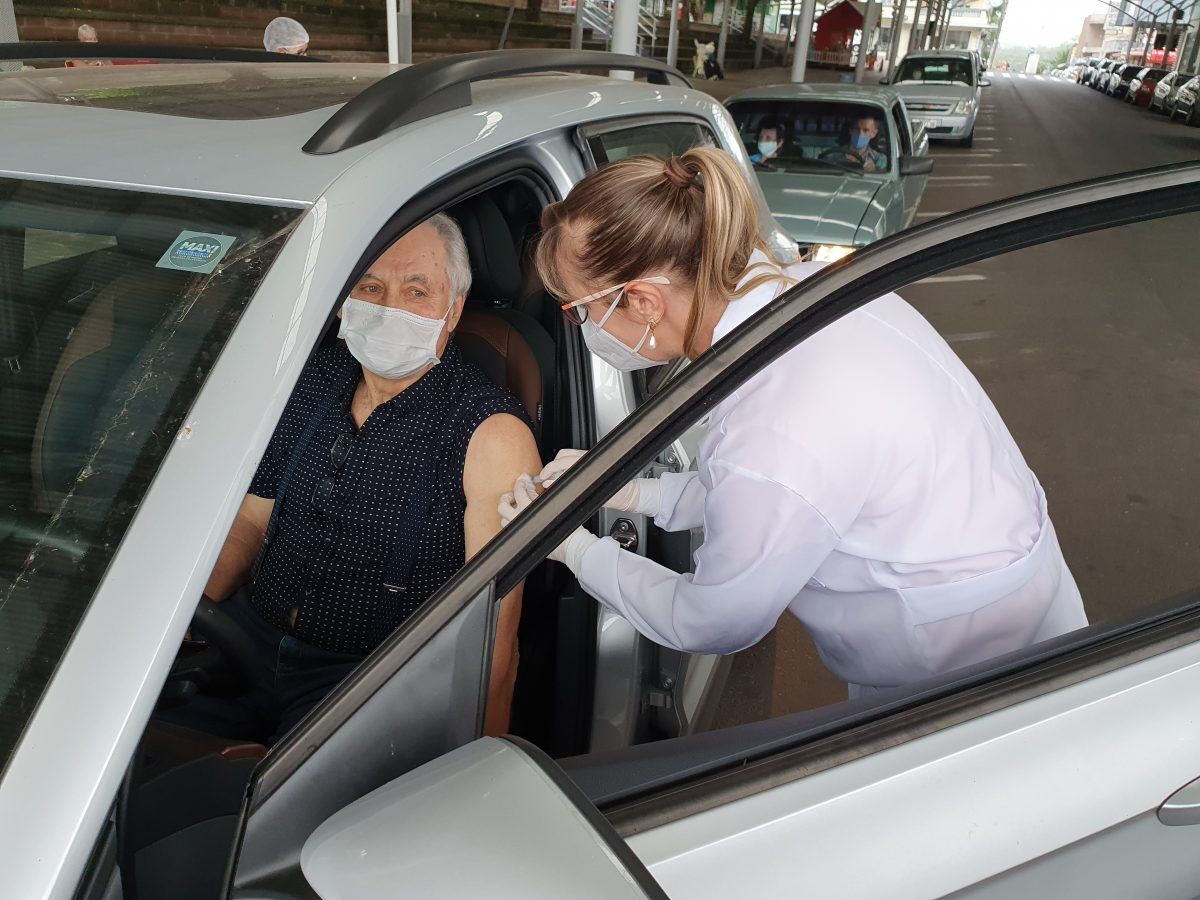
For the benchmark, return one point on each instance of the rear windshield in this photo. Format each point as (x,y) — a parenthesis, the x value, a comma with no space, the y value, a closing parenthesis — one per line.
(113,306)
(815,135)
(936,69)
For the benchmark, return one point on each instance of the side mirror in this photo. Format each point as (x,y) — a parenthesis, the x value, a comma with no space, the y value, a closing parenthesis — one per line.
(915,165)
(983,82)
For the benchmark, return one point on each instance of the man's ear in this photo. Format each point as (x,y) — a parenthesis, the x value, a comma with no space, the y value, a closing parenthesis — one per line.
(455,312)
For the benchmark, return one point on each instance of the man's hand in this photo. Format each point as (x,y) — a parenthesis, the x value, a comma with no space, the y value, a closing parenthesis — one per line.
(501,449)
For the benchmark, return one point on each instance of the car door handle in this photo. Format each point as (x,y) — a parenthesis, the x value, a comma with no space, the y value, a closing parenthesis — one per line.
(1183,806)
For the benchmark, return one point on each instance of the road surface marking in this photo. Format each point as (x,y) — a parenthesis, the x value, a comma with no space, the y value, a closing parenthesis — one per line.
(1021,75)
(985,139)
(1006,74)
(970,336)
(954,279)
(1038,77)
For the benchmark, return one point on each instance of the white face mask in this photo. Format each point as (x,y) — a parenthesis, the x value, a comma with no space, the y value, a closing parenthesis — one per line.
(392,343)
(612,351)
(766,148)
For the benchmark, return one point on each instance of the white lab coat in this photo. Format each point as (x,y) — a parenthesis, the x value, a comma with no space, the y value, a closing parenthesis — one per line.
(865,482)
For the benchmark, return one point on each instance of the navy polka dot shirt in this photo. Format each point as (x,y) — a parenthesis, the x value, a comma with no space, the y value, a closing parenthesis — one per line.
(364,508)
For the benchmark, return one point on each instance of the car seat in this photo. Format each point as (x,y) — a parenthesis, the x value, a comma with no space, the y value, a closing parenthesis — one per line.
(505,342)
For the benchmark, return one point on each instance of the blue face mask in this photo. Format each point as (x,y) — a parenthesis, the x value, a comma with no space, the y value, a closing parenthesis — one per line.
(859,141)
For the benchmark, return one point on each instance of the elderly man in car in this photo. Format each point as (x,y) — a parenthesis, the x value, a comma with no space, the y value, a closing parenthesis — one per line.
(383,476)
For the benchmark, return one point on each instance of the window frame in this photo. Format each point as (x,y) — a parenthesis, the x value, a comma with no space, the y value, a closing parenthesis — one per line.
(584,134)
(884,266)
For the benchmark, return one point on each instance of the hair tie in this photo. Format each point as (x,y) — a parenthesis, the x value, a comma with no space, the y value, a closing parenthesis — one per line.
(681,175)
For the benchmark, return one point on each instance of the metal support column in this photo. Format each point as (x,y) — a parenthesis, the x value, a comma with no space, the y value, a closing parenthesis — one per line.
(624,31)
(673,36)
(1149,42)
(726,15)
(804,24)
(404,31)
(899,8)
(916,25)
(996,35)
(762,27)
(864,43)
(577,25)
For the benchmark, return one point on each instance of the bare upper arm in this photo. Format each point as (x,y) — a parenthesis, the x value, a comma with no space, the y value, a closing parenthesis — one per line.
(501,449)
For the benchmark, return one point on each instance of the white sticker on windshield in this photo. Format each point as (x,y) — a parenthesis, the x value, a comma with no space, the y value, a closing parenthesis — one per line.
(196,251)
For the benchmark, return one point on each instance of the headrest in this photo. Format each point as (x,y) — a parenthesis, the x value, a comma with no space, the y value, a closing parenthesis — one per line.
(495,267)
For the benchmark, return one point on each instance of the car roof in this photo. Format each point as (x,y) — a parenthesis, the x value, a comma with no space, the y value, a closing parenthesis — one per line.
(880,95)
(249,155)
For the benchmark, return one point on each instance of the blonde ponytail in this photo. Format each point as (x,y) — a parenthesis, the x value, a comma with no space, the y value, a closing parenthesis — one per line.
(692,216)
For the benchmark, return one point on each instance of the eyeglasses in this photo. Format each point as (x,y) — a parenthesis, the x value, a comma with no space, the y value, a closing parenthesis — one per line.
(574,309)
(338,454)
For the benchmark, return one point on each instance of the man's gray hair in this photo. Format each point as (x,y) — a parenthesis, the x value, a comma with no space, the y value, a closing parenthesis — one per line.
(86,31)
(458,261)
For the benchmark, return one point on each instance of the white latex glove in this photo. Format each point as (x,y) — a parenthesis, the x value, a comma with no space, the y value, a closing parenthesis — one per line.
(642,495)
(569,552)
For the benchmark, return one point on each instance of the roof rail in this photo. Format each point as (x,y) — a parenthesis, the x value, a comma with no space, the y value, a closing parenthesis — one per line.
(426,89)
(47,50)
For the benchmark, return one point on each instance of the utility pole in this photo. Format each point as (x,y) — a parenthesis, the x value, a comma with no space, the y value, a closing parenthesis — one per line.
(672,35)
(804,25)
(868,29)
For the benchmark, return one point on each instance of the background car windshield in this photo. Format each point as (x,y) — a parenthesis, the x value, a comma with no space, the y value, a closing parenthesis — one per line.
(810,129)
(936,69)
(113,308)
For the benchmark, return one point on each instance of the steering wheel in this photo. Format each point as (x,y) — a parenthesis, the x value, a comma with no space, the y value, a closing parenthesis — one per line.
(220,630)
(837,154)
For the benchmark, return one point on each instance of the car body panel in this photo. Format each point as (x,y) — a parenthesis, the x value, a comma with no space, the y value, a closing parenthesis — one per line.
(1033,784)
(824,209)
(1184,101)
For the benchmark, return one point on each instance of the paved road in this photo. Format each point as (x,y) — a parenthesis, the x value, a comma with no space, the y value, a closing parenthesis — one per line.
(1090,348)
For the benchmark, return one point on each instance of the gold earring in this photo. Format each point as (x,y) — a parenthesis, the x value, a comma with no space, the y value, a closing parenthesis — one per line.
(653,342)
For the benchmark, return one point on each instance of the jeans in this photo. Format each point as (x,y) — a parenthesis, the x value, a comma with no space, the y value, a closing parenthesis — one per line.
(291,678)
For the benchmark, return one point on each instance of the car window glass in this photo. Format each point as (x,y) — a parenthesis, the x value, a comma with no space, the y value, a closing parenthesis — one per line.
(654,138)
(936,70)
(44,246)
(112,287)
(816,136)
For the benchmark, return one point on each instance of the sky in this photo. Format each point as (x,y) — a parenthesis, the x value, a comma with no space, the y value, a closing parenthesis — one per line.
(1046,23)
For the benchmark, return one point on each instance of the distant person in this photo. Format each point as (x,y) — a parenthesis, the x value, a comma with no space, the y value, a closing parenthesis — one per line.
(87,35)
(712,67)
(864,132)
(770,137)
(284,35)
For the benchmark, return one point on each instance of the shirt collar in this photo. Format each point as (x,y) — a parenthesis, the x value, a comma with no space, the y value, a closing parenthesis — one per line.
(741,309)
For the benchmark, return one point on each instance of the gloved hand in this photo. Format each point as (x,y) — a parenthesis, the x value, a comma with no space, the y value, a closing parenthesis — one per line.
(569,552)
(641,495)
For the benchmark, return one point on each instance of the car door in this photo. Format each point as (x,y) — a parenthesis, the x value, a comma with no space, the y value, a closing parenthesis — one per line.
(1061,765)
(911,187)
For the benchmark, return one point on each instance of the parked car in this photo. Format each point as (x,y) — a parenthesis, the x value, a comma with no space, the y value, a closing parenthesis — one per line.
(1118,81)
(1186,102)
(1165,90)
(171,283)
(816,186)
(1141,88)
(941,90)
(1104,73)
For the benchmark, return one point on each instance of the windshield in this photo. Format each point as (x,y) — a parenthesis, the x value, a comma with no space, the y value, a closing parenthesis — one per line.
(936,69)
(113,307)
(814,135)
